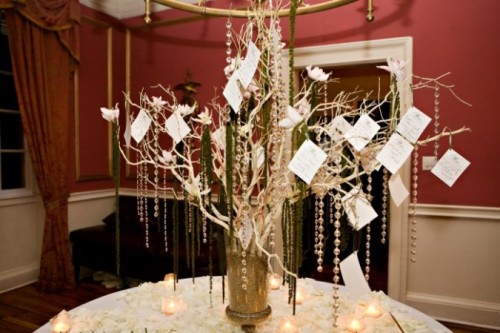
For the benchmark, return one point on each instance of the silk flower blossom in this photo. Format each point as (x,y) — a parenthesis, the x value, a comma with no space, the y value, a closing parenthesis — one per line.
(110,114)
(295,116)
(317,74)
(166,157)
(184,109)
(204,117)
(157,102)
(395,67)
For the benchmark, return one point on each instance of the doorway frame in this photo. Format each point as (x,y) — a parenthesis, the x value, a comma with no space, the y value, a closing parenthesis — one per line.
(366,52)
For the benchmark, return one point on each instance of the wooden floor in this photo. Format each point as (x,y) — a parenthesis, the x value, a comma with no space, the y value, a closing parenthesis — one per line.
(25,309)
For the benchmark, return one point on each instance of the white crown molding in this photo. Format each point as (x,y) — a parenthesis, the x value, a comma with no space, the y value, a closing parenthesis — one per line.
(122,9)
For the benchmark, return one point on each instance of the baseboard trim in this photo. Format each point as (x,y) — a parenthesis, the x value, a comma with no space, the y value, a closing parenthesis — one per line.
(470,312)
(19,277)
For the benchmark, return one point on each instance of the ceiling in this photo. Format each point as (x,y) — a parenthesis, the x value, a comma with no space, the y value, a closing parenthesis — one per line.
(121,9)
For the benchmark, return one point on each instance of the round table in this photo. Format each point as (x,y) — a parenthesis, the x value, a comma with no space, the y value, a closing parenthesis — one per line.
(139,310)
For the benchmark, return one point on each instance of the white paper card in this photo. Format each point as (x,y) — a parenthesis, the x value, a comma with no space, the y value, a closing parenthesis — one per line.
(394,153)
(219,137)
(362,132)
(338,128)
(450,167)
(358,209)
(307,160)
(353,277)
(249,65)
(413,124)
(140,126)
(398,190)
(176,127)
(232,93)
(292,118)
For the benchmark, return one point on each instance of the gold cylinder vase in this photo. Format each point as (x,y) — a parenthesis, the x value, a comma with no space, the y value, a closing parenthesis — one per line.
(247,306)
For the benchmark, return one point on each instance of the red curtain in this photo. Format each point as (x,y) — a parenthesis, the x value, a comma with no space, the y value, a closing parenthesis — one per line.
(43,39)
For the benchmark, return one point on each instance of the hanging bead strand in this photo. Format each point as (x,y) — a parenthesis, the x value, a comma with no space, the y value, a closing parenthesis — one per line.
(228,41)
(436,120)
(385,197)
(368,229)
(336,255)
(165,210)
(318,231)
(414,193)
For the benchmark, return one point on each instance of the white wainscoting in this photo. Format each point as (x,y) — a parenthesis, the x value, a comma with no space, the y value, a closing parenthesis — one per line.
(457,274)
(21,232)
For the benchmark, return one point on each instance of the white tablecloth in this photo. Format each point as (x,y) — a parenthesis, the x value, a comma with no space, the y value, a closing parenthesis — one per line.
(138,310)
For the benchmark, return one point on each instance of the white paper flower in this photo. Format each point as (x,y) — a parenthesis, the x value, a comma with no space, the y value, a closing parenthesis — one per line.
(110,114)
(157,102)
(192,188)
(292,118)
(166,157)
(395,67)
(304,107)
(252,89)
(184,109)
(204,117)
(295,115)
(317,74)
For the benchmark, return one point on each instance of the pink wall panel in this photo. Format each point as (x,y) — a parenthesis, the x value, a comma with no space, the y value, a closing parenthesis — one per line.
(447,36)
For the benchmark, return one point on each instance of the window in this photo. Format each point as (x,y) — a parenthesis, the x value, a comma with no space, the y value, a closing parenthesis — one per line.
(13,157)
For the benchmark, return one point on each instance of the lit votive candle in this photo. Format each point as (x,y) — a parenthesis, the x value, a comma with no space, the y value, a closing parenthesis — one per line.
(168,306)
(169,279)
(355,326)
(274,281)
(373,310)
(299,296)
(61,323)
(288,326)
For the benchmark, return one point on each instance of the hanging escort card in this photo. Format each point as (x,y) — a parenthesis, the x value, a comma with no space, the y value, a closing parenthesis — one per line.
(127,134)
(358,209)
(353,277)
(362,132)
(219,137)
(397,189)
(140,126)
(394,153)
(413,124)
(232,93)
(249,65)
(450,167)
(338,128)
(307,161)
(176,127)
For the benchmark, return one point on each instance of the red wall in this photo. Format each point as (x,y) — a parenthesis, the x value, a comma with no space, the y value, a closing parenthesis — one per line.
(448,37)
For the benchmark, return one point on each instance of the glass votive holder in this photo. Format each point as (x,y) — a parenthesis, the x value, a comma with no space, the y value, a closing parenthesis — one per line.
(169,279)
(168,306)
(274,281)
(355,325)
(288,325)
(373,310)
(61,323)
